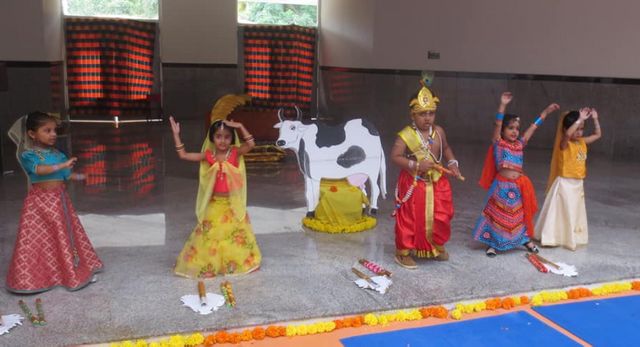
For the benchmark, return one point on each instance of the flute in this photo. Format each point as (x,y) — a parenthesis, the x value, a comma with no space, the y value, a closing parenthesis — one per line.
(202,293)
(448,172)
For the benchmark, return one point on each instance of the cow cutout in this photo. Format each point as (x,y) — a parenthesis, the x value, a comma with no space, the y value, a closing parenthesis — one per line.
(352,150)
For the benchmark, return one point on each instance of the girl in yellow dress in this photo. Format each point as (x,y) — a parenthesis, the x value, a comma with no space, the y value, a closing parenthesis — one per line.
(222,243)
(563,219)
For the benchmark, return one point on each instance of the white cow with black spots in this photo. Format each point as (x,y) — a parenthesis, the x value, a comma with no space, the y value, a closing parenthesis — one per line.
(352,150)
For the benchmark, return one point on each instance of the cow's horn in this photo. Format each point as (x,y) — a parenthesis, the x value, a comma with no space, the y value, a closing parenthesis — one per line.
(298,112)
(280,115)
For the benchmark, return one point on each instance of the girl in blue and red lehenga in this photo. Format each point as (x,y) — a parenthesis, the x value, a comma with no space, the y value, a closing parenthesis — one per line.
(51,249)
(506,221)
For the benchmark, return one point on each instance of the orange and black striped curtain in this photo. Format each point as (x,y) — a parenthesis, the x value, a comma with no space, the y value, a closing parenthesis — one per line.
(109,66)
(279,64)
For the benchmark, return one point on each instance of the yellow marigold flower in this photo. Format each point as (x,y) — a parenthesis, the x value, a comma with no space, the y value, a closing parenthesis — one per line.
(291,330)
(114,344)
(303,330)
(415,314)
(459,307)
(194,339)
(127,343)
(141,343)
(330,326)
(536,300)
(456,314)
(370,319)
(154,344)
(312,329)
(383,320)
(516,300)
(468,308)
(176,341)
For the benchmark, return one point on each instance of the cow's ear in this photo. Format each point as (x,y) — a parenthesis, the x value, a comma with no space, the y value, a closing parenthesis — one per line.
(277,125)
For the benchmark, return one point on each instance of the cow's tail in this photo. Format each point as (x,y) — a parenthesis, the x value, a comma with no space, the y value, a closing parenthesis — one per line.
(383,174)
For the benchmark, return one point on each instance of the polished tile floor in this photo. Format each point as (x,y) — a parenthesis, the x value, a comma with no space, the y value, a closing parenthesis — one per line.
(138,208)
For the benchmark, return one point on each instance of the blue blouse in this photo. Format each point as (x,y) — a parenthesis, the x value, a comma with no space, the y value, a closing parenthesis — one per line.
(30,159)
(509,155)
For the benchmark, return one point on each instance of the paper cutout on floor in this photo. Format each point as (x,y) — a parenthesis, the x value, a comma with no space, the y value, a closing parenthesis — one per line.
(378,283)
(213,303)
(562,269)
(9,321)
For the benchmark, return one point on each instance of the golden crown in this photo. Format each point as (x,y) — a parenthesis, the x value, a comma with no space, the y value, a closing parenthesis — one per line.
(425,101)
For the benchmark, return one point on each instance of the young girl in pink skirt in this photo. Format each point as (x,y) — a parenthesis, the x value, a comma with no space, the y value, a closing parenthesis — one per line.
(51,249)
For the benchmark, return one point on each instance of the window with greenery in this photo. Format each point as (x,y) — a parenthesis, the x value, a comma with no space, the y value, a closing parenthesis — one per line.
(135,9)
(278,12)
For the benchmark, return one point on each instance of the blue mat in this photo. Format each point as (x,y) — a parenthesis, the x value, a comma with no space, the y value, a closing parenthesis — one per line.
(513,329)
(607,322)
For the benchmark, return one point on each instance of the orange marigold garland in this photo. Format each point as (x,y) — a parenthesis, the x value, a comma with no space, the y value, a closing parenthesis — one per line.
(635,285)
(258,333)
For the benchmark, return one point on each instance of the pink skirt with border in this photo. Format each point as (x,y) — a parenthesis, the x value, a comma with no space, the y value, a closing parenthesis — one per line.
(52,248)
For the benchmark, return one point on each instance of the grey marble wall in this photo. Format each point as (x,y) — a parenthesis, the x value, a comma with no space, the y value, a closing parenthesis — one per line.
(190,90)
(469,102)
(28,87)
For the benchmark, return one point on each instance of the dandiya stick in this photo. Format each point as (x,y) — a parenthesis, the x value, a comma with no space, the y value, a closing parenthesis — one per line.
(375,268)
(202,293)
(536,263)
(547,261)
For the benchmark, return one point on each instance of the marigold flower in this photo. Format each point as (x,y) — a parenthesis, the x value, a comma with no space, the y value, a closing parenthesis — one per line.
(258,333)
(210,340)
(222,337)
(246,335)
(272,331)
(282,330)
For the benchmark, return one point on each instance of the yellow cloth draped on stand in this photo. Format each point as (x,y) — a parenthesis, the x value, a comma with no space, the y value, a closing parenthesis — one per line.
(340,209)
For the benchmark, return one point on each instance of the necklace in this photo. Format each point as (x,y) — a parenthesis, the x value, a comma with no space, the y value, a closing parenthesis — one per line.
(226,156)
(426,144)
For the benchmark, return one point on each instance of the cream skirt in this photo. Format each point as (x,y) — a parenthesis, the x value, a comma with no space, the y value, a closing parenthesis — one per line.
(563,218)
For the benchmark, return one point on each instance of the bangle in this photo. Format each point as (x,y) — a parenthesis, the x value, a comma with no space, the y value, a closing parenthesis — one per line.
(180,146)
(499,116)
(248,138)
(538,121)
(453,161)
(412,164)
(579,121)
(55,167)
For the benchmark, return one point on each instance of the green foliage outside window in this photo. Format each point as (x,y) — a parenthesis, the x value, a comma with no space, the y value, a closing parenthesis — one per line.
(251,12)
(141,9)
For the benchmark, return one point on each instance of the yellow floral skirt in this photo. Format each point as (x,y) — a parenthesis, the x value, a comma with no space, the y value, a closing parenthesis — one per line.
(220,245)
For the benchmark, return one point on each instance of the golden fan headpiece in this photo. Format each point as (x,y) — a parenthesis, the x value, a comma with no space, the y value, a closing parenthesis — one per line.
(225,105)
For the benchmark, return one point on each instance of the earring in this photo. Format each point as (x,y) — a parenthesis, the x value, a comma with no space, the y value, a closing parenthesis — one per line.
(413,124)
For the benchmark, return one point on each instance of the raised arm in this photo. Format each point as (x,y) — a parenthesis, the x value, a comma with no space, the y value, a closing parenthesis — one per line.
(182,153)
(584,114)
(597,134)
(247,139)
(534,126)
(505,99)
